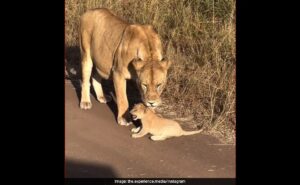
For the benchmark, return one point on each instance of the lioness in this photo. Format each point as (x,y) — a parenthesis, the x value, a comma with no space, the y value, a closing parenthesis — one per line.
(159,128)
(120,51)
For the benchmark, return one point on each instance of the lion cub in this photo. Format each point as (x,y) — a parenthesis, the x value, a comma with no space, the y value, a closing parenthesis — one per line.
(159,128)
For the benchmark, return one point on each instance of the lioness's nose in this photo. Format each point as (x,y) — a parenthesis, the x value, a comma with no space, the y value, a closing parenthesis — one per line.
(151,102)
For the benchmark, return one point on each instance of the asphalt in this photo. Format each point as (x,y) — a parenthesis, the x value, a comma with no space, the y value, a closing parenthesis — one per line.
(96,147)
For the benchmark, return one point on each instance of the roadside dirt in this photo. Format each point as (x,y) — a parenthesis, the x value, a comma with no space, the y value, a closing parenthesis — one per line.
(95,146)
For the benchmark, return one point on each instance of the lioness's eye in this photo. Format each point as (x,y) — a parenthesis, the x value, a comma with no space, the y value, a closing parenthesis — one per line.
(158,87)
(144,85)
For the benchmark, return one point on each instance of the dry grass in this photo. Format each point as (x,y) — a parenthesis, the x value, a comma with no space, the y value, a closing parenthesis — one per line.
(199,36)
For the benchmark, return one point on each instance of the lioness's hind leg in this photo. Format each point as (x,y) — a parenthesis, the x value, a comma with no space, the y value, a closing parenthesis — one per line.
(99,92)
(87,64)
(158,138)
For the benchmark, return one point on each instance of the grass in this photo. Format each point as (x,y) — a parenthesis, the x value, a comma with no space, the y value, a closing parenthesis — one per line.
(199,36)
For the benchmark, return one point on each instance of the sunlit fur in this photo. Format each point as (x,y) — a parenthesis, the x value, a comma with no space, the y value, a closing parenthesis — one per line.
(120,51)
(160,128)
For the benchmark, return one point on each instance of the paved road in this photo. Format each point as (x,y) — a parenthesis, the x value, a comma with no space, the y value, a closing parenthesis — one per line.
(95,146)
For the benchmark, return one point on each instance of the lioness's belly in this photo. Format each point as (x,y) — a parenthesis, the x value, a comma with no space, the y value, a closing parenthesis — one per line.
(102,59)
(103,68)
(105,37)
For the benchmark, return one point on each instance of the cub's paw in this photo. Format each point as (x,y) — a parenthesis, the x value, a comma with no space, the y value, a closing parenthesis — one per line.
(157,138)
(134,135)
(136,130)
(85,105)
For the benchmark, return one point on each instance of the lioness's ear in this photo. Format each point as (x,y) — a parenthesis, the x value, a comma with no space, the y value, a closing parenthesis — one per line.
(138,63)
(165,63)
(150,27)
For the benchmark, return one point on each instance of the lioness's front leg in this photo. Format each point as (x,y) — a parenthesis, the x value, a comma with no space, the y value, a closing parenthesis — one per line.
(122,102)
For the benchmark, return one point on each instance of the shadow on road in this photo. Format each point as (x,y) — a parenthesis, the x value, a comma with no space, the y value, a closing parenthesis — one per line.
(76,169)
(73,69)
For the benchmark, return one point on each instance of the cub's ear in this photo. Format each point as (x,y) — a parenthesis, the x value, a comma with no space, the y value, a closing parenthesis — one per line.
(165,63)
(138,63)
(164,59)
(146,109)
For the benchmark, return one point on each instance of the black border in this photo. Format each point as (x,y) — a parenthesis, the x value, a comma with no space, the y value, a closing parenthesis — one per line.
(35,74)
(187,181)
(34,78)
(250,35)
(36,91)
(147,181)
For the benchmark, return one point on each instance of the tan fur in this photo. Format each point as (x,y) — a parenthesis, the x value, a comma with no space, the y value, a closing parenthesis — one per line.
(160,128)
(120,51)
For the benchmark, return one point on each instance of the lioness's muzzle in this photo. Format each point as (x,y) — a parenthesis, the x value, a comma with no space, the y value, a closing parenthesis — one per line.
(152,103)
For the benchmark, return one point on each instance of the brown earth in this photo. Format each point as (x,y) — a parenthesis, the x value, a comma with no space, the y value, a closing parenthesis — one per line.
(95,146)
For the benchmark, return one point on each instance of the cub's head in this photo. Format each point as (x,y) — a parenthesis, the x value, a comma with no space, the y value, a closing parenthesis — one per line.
(138,111)
(151,81)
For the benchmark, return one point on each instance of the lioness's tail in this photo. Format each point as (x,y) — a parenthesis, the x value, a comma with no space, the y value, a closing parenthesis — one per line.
(186,133)
(113,97)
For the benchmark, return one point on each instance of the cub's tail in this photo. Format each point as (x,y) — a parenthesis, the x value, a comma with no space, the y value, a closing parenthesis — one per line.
(186,133)
(188,118)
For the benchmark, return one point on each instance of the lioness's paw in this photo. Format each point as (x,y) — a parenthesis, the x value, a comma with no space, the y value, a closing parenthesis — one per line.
(102,99)
(123,122)
(85,105)
(105,99)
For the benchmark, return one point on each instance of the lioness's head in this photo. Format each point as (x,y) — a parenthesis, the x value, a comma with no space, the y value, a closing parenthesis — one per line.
(151,81)
(138,111)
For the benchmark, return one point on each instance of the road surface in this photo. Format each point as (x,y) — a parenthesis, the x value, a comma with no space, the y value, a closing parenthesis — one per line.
(96,147)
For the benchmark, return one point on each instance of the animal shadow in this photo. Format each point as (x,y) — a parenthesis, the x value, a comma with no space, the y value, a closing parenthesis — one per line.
(73,73)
